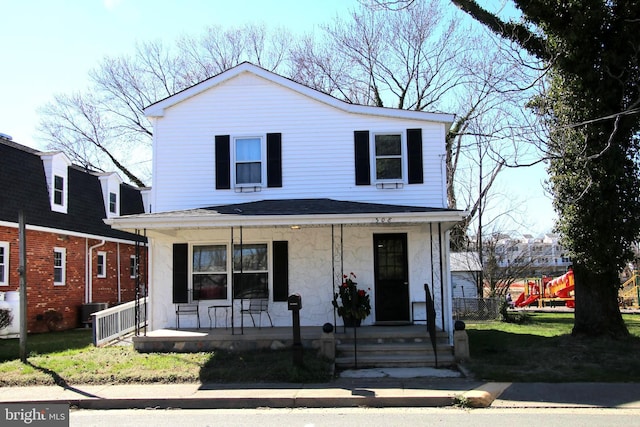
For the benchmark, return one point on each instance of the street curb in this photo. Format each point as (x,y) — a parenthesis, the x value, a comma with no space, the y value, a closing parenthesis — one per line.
(483,396)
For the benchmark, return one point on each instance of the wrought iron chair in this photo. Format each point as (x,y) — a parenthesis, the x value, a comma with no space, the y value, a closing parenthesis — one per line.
(189,309)
(257,306)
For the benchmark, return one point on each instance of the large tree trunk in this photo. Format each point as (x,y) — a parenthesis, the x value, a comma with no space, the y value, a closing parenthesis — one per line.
(597,311)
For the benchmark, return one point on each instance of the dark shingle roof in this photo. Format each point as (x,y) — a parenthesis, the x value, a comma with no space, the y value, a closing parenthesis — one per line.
(316,207)
(23,187)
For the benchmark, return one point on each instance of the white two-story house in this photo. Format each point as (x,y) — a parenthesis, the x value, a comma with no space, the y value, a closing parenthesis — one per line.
(263,187)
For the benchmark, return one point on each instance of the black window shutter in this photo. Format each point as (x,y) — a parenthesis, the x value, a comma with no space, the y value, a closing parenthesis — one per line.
(274,160)
(223,162)
(361,142)
(414,156)
(180,273)
(280,270)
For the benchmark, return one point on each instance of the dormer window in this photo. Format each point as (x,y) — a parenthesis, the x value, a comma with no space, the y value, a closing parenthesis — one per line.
(58,190)
(113,203)
(110,184)
(56,169)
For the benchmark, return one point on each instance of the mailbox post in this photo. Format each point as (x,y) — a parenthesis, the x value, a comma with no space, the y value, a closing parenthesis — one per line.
(294,304)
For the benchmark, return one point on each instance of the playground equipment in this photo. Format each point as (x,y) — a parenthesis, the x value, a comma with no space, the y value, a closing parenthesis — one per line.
(629,294)
(560,290)
(549,291)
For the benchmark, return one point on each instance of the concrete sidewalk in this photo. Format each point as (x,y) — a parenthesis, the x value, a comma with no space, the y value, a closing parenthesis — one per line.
(343,392)
(347,392)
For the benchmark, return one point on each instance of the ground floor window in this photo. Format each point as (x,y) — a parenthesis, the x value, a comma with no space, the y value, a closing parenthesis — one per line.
(59,266)
(209,272)
(211,276)
(4,263)
(251,271)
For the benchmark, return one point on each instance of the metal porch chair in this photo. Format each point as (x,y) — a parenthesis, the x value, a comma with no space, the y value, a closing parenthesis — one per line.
(256,306)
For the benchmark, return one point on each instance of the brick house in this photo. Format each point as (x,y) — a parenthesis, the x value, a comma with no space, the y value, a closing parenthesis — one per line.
(73,257)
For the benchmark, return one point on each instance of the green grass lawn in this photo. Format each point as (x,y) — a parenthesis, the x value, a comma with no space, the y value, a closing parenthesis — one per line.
(70,358)
(543,350)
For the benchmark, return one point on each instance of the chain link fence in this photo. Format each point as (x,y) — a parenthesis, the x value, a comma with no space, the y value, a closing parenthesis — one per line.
(476,308)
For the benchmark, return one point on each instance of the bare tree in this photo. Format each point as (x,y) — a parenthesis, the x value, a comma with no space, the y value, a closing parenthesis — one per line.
(432,62)
(500,268)
(105,126)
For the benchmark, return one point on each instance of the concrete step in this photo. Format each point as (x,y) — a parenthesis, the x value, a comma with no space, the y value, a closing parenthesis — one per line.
(391,347)
(421,347)
(369,360)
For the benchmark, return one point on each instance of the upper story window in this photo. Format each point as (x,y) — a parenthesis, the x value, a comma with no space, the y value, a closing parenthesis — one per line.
(59,266)
(110,185)
(388,157)
(56,170)
(58,190)
(113,203)
(4,263)
(248,161)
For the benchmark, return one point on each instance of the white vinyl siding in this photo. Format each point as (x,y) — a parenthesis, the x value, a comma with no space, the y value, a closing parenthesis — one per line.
(317,148)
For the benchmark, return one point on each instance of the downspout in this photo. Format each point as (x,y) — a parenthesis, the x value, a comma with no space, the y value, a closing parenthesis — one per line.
(89,295)
(119,273)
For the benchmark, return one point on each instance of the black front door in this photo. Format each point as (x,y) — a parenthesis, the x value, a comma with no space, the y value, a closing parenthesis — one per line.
(391,277)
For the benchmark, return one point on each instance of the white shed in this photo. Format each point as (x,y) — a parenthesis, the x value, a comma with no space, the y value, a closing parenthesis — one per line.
(465,269)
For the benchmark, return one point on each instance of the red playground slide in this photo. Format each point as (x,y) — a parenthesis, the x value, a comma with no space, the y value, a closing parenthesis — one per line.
(528,301)
(519,300)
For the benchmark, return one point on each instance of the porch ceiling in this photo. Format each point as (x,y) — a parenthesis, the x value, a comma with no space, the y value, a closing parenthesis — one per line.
(289,212)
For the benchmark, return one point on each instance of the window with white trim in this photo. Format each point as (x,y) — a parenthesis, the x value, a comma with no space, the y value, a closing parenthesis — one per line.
(249,161)
(133,266)
(4,263)
(58,190)
(113,203)
(101,271)
(388,153)
(59,266)
(209,272)
(251,271)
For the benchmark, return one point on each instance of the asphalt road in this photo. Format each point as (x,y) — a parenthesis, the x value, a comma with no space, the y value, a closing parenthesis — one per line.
(370,417)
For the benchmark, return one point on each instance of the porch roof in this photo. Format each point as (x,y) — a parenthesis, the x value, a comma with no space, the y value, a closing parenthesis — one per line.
(289,212)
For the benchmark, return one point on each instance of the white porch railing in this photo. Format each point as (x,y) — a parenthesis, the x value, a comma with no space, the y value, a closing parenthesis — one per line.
(117,321)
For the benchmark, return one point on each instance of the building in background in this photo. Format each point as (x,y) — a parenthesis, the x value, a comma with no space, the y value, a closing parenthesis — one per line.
(74,260)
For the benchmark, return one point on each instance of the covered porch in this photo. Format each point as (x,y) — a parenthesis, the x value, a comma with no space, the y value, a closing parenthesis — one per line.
(395,250)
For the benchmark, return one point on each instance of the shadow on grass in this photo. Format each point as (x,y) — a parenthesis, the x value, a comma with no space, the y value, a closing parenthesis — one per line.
(46,343)
(264,366)
(508,356)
